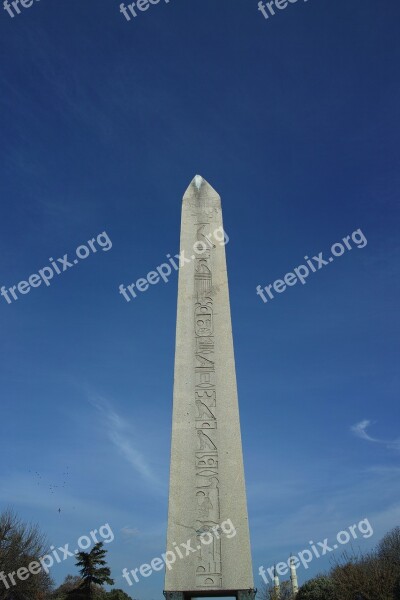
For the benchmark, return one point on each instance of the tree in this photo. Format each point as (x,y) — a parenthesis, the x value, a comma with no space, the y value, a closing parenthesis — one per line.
(389,548)
(117,594)
(70,583)
(285,592)
(396,594)
(21,545)
(371,576)
(388,552)
(367,577)
(319,588)
(69,586)
(94,572)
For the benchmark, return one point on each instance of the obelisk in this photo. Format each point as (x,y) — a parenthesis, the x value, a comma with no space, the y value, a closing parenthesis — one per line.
(207,487)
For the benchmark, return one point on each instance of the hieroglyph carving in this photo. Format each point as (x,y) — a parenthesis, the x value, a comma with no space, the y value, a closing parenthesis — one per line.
(208,569)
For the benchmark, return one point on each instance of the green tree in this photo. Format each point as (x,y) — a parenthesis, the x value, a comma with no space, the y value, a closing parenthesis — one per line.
(117,594)
(69,588)
(319,588)
(70,583)
(94,572)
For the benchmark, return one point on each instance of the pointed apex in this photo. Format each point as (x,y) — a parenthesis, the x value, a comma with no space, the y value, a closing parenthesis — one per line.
(199,190)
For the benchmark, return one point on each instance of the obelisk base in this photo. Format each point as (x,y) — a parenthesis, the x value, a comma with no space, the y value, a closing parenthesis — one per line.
(238,594)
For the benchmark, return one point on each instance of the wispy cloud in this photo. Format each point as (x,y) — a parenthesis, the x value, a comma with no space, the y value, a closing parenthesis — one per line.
(120,433)
(360,430)
(130,531)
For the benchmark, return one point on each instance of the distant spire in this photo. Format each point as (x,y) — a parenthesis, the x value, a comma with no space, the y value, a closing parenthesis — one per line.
(277,587)
(293,577)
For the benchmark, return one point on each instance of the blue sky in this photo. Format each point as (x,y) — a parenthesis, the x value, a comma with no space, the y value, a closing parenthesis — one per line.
(295,121)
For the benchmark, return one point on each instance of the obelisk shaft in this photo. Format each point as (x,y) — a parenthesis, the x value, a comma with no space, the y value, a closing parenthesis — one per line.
(207,489)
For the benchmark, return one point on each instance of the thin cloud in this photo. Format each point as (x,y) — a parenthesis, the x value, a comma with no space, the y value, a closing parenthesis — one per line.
(130,531)
(360,430)
(119,435)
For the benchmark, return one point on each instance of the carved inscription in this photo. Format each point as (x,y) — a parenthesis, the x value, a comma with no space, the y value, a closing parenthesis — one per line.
(208,569)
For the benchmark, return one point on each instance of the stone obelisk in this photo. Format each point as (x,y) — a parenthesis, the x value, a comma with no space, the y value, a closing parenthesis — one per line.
(207,497)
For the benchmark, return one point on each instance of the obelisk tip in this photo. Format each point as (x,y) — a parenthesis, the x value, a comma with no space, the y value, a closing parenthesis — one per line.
(198,180)
(200,189)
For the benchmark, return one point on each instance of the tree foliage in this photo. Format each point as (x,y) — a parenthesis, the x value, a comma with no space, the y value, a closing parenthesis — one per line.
(371,576)
(285,593)
(94,572)
(20,545)
(70,583)
(319,588)
(389,548)
(367,577)
(117,594)
(71,588)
